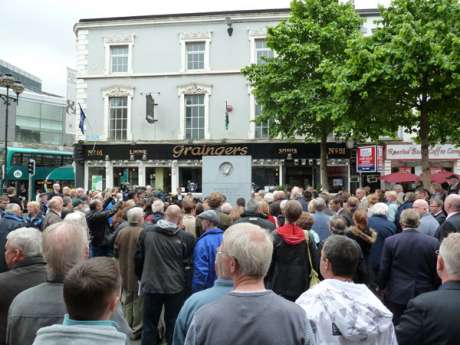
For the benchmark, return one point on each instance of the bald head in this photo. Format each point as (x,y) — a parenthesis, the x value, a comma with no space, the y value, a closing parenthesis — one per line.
(452,203)
(173,214)
(421,206)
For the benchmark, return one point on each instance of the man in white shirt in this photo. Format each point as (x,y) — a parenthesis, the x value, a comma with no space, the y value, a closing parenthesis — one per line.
(340,311)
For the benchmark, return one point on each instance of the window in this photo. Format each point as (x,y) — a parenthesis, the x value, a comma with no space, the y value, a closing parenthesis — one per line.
(262,129)
(194,117)
(119,58)
(118,125)
(262,50)
(195,55)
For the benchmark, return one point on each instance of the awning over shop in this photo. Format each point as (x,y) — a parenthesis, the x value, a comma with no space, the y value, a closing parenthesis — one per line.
(64,173)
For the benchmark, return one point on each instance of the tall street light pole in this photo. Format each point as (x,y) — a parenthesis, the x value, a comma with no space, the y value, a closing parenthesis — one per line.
(7,81)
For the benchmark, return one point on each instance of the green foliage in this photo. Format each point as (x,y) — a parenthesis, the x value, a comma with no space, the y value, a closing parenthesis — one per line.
(294,87)
(409,67)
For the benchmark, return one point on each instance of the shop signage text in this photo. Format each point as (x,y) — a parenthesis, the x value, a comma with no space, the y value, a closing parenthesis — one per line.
(369,159)
(197,151)
(413,152)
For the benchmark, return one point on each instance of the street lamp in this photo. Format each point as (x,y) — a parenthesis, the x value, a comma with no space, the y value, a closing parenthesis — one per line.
(7,81)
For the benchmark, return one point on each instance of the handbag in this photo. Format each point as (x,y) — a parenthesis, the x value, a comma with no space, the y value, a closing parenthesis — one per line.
(314,277)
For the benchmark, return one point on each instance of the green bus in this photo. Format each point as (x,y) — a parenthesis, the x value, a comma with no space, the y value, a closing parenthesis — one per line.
(51,167)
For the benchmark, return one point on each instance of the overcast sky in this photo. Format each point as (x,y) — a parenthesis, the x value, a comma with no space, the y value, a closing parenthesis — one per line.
(37,36)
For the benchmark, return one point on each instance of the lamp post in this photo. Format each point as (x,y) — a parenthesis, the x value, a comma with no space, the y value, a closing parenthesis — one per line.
(7,81)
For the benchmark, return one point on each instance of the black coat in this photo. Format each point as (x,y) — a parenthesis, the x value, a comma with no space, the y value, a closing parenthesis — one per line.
(432,318)
(8,223)
(27,273)
(257,219)
(451,224)
(99,227)
(408,266)
(163,258)
(440,217)
(289,273)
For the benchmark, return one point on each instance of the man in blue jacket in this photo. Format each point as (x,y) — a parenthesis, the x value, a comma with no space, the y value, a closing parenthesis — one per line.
(204,255)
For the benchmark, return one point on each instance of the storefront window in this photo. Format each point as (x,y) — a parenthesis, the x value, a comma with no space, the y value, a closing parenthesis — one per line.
(265,177)
(190,179)
(125,175)
(96,178)
(159,178)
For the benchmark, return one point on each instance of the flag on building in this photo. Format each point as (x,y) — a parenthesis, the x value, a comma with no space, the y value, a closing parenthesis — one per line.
(82,120)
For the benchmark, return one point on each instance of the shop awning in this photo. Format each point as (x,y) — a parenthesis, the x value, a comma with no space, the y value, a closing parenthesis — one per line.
(64,173)
(441,176)
(399,177)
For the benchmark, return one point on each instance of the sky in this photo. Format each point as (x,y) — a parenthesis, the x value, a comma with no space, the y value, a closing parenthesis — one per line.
(37,35)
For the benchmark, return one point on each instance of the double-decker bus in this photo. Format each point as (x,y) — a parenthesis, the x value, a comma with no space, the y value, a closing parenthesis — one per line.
(51,167)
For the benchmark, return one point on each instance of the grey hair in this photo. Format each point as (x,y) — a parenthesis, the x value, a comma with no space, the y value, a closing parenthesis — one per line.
(337,225)
(13,208)
(55,200)
(135,215)
(158,206)
(78,218)
(409,218)
(438,202)
(269,197)
(450,252)
(251,246)
(251,206)
(226,208)
(64,245)
(379,208)
(27,240)
(320,204)
(283,204)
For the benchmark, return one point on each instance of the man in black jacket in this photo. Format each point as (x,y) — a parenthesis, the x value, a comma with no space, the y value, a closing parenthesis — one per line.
(163,263)
(253,215)
(452,222)
(432,318)
(99,228)
(23,254)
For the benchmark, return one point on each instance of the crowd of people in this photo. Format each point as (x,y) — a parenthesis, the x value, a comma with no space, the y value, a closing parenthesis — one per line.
(284,267)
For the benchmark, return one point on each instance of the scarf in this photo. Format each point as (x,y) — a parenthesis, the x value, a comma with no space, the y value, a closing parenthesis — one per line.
(291,234)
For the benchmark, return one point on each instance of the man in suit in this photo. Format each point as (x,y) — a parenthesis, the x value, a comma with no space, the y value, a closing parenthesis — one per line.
(432,318)
(321,225)
(437,210)
(454,184)
(408,266)
(452,222)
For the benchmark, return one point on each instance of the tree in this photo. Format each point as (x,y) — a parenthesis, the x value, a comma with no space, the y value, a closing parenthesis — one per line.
(407,74)
(293,87)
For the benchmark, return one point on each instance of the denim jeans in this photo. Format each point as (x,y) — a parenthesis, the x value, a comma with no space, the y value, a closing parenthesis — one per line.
(153,304)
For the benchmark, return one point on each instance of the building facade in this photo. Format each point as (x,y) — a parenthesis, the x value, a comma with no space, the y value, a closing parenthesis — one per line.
(36,122)
(159,92)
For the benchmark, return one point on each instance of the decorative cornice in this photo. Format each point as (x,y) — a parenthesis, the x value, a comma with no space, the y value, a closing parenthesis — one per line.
(194,89)
(184,36)
(121,38)
(118,91)
(257,32)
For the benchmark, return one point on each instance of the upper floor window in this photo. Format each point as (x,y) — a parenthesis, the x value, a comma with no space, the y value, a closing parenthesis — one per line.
(262,50)
(194,117)
(195,55)
(119,53)
(118,122)
(261,129)
(119,58)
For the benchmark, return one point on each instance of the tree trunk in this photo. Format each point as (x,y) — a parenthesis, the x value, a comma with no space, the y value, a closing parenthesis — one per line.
(425,147)
(323,164)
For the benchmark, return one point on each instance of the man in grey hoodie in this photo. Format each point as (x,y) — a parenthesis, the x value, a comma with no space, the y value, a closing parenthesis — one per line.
(91,293)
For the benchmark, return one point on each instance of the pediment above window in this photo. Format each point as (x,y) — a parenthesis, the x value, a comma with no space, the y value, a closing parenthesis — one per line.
(194,89)
(118,91)
(119,39)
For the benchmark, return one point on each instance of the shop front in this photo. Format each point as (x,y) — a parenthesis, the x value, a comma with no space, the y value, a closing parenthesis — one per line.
(407,159)
(178,167)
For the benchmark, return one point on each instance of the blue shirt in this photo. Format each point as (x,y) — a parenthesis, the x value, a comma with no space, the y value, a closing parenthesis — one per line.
(105,323)
(204,257)
(196,301)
